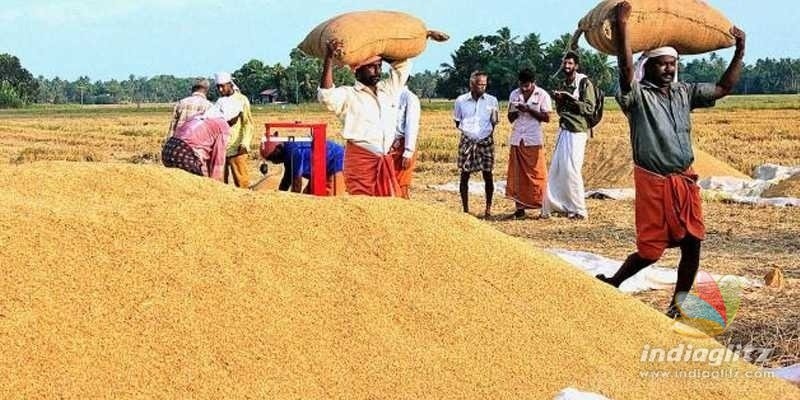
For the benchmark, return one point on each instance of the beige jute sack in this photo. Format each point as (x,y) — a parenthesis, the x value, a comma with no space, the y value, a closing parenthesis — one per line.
(365,34)
(690,26)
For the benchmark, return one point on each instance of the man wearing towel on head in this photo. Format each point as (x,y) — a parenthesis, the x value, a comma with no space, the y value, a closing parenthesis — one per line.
(668,204)
(199,145)
(368,111)
(236,163)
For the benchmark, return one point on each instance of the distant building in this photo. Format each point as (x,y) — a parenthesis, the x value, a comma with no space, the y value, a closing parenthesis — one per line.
(269,96)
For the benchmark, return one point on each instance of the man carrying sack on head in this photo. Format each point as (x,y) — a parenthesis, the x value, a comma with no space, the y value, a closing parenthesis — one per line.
(368,111)
(668,205)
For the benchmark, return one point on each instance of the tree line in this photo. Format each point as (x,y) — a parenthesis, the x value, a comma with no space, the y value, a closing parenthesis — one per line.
(501,54)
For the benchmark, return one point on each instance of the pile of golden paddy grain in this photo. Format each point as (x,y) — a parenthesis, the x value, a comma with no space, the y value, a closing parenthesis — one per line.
(609,164)
(137,281)
(786,188)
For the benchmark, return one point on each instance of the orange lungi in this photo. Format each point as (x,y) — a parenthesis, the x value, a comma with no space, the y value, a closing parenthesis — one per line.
(403,175)
(368,173)
(334,185)
(667,209)
(527,176)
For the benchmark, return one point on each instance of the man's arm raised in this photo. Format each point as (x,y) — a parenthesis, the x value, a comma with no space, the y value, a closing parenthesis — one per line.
(731,76)
(624,53)
(334,47)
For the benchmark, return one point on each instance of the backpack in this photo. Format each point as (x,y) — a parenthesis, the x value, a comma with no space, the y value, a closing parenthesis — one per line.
(597,114)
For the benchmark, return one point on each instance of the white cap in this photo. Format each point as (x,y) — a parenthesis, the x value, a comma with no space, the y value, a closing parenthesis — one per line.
(222,78)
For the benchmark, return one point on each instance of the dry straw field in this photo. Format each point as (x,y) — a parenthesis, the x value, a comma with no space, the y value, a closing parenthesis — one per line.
(99,209)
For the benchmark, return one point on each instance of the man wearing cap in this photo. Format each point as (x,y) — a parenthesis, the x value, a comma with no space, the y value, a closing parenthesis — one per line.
(668,205)
(404,149)
(296,160)
(368,111)
(190,106)
(198,146)
(236,163)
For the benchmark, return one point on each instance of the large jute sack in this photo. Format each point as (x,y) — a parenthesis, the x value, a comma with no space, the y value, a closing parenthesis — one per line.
(365,34)
(690,26)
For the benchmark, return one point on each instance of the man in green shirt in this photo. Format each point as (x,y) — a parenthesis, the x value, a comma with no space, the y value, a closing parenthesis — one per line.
(668,204)
(575,100)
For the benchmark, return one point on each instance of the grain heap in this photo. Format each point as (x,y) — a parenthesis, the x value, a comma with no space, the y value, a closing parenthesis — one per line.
(609,164)
(786,188)
(137,281)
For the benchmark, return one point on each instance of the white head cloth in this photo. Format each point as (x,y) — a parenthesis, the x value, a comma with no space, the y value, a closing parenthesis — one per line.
(222,78)
(638,67)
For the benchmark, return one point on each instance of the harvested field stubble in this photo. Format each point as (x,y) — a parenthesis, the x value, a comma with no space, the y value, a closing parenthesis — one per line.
(136,281)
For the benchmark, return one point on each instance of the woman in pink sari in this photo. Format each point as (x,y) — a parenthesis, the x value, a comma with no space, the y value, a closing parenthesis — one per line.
(198,146)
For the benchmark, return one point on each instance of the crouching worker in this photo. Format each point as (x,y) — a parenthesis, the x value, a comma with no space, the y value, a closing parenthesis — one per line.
(296,160)
(198,146)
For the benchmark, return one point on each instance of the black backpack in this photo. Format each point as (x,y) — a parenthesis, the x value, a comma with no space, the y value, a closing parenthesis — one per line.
(597,114)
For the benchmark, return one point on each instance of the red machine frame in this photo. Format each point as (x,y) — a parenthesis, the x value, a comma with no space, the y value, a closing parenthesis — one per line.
(319,151)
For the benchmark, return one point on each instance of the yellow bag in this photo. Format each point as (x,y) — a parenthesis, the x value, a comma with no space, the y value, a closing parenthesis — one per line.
(365,34)
(690,26)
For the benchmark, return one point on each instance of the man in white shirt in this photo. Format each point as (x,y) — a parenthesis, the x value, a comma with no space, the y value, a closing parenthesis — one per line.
(475,115)
(404,149)
(368,111)
(528,107)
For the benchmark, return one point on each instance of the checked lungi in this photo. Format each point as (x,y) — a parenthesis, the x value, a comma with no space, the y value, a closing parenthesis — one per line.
(474,156)
(177,154)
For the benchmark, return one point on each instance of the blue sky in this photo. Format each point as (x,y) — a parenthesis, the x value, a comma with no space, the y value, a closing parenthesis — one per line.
(107,39)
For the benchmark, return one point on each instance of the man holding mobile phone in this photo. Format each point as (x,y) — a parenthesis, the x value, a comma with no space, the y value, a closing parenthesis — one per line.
(529,107)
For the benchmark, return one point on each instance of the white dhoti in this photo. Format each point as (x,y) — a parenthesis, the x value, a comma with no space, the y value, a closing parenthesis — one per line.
(565,191)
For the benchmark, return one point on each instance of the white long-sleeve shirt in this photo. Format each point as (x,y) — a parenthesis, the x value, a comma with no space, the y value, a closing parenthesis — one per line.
(408,121)
(370,120)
